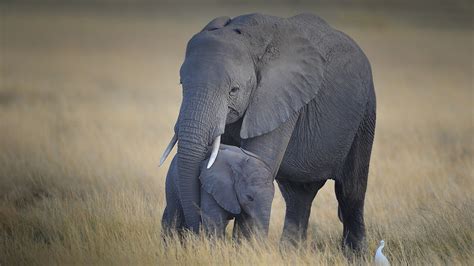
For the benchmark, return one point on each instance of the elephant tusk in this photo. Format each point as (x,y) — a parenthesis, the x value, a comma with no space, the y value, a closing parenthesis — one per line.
(215,150)
(168,149)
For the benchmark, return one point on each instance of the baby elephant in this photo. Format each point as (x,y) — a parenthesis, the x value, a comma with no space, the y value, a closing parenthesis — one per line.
(238,185)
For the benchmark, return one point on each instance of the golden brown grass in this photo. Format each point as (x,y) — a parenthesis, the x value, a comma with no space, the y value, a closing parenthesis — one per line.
(88,101)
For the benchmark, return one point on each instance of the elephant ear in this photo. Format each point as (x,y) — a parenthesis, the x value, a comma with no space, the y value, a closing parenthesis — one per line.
(289,75)
(219,182)
(217,23)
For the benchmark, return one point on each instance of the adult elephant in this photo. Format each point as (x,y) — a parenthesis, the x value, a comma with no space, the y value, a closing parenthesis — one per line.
(294,91)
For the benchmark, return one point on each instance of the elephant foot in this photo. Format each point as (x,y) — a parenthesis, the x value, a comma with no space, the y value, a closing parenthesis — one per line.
(292,238)
(354,247)
(289,244)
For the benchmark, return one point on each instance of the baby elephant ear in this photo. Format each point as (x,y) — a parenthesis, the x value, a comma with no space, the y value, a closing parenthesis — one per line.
(217,23)
(219,182)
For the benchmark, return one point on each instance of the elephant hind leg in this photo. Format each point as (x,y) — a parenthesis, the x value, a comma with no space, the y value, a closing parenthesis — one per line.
(351,185)
(298,198)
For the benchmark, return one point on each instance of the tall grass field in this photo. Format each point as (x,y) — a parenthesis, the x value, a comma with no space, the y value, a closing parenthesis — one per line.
(89,98)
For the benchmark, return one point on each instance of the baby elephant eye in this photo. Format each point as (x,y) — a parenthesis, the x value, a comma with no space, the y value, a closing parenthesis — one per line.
(234,90)
(249,198)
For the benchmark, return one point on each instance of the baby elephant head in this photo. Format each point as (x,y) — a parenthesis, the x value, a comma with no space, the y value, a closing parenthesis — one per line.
(240,185)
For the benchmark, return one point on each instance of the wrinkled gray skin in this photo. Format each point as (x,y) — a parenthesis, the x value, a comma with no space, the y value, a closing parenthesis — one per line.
(294,91)
(239,185)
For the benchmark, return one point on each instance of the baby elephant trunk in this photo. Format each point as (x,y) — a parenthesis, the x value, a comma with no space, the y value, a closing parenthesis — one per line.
(254,221)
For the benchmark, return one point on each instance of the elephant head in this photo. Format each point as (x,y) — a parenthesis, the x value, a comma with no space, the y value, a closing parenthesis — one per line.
(255,69)
(239,183)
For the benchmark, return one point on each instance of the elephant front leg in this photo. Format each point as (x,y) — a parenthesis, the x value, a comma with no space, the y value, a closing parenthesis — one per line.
(270,148)
(298,198)
(214,217)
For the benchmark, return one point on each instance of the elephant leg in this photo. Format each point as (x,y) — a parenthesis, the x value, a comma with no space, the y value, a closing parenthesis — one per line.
(298,198)
(351,185)
(214,217)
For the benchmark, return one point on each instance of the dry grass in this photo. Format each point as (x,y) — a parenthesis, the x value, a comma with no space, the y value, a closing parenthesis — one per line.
(87,104)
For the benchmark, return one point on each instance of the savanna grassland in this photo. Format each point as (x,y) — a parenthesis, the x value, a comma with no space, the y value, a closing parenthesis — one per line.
(89,97)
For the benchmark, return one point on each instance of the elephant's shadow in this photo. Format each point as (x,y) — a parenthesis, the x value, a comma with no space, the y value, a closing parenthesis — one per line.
(238,185)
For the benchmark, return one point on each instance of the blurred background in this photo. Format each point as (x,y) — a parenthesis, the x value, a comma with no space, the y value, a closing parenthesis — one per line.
(89,94)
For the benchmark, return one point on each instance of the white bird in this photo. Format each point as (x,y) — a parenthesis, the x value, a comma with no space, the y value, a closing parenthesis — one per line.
(380,259)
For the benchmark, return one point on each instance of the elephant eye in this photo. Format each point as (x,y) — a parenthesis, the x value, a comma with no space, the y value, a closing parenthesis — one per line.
(234,90)
(237,31)
(249,198)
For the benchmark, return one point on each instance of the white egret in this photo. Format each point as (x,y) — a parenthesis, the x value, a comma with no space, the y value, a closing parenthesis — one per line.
(380,259)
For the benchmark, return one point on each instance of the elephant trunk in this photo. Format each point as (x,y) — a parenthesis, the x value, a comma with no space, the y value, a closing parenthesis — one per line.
(190,156)
(261,218)
(197,126)
(254,221)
